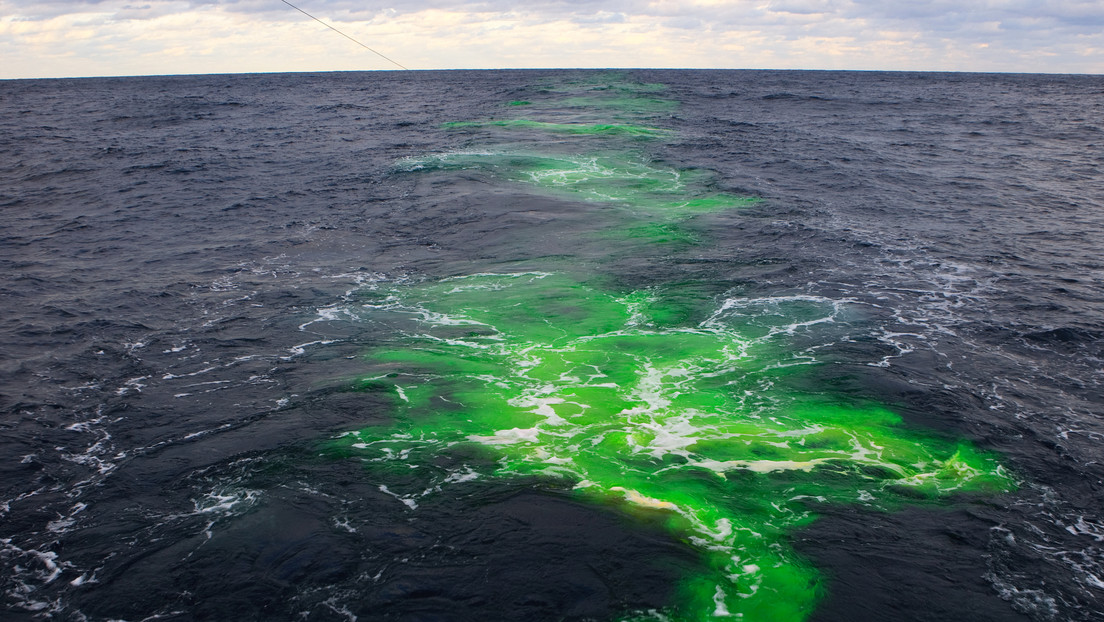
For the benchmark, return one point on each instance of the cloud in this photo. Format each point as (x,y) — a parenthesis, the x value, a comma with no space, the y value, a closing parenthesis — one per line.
(118,37)
(599,17)
(803,7)
(686,23)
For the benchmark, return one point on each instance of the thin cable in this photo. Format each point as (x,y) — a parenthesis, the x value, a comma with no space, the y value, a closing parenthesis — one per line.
(342,34)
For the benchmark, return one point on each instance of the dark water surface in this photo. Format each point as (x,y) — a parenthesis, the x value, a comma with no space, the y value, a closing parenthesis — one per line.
(316,346)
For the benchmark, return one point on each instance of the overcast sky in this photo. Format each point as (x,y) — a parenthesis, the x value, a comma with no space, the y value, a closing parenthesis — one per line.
(54,38)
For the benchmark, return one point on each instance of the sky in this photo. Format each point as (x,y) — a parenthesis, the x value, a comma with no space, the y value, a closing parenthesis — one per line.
(76,38)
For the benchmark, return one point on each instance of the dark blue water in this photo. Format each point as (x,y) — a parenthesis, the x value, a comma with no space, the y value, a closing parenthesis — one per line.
(179,255)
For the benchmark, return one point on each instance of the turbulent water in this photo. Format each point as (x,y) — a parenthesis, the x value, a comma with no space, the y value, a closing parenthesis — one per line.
(548,345)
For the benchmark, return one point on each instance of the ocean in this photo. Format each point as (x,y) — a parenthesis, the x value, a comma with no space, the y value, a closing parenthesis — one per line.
(553,345)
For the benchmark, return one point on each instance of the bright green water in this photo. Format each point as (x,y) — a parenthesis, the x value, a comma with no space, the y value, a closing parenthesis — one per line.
(654,401)
(622,105)
(637,407)
(624,179)
(585,129)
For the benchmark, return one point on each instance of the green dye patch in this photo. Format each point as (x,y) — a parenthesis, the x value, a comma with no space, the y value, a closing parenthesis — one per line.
(624,179)
(640,87)
(583,129)
(611,94)
(635,106)
(519,103)
(641,401)
(615,82)
(658,235)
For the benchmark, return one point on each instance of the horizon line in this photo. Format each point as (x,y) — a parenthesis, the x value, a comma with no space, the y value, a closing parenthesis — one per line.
(399,71)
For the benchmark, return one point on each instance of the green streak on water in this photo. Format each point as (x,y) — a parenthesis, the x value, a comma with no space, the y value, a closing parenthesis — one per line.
(643,401)
(653,401)
(611,82)
(624,179)
(657,235)
(610,94)
(623,105)
(584,129)
(519,103)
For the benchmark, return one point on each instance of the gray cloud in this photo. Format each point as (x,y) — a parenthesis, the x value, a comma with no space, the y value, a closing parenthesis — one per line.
(804,7)
(991,31)
(938,15)
(599,17)
(1053,13)
(685,23)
